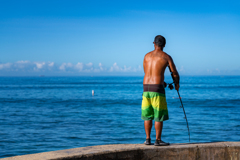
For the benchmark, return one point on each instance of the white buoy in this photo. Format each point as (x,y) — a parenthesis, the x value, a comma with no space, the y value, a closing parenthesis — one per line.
(92,92)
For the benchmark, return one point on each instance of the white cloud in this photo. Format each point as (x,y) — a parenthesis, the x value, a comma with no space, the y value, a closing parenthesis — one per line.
(6,65)
(116,68)
(79,66)
(39,65)
(139,68)
(51,67)
(100,66)
(51,64)
(89,64)
(88,67)
(64,66)
(181,69)
(126,69)
(22,62)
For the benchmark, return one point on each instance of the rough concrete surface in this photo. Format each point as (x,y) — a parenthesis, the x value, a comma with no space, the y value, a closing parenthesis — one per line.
(184,151)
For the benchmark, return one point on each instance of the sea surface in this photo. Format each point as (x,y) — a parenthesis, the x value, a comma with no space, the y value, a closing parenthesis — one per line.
(39,114)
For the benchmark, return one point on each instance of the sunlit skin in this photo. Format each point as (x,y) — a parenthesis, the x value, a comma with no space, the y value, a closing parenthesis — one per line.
(154,64)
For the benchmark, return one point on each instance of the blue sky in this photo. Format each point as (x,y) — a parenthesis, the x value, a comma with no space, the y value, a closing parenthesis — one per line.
(112,37)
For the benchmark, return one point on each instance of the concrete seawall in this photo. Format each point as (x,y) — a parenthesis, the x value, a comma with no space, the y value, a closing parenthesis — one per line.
(197,151)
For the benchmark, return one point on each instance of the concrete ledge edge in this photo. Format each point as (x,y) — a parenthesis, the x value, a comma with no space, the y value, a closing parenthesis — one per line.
(140,151)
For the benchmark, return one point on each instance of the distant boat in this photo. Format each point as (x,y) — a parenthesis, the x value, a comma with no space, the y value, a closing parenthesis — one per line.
(42,76)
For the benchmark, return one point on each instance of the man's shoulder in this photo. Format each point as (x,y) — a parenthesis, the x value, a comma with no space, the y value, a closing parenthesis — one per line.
(164,53)
(167,56)
(148,54)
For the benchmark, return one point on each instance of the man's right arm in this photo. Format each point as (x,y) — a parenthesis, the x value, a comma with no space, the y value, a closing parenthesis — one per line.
(144,63)
(174,72)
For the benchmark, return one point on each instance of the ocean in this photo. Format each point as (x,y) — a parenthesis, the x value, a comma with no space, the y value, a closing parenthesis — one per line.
(39,114)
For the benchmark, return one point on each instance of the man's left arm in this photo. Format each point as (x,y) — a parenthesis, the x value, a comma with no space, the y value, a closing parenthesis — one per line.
(174,73)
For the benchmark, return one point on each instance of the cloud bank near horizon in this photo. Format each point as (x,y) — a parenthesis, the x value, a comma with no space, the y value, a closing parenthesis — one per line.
(28,68)
(36,68)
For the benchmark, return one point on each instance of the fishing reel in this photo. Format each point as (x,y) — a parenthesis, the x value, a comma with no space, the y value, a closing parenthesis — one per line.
(170,85)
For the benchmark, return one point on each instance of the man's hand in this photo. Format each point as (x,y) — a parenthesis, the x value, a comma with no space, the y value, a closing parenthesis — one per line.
(164,84)
(177,87)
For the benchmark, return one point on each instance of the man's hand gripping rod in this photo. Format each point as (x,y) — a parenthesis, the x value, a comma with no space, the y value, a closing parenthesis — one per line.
(174,81)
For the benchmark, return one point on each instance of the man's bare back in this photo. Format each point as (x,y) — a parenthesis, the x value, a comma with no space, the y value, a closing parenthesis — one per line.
(154,64)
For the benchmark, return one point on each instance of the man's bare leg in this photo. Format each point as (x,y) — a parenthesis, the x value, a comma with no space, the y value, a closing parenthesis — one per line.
(148,127)
(158,128)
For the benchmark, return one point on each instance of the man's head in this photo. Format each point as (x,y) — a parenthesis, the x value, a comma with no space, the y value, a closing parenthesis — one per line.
(159,41)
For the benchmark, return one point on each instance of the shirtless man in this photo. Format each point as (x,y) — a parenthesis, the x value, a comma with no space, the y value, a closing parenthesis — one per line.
(154,105)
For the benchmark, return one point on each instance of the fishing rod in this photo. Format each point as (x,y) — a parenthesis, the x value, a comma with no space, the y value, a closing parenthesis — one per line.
(170,86)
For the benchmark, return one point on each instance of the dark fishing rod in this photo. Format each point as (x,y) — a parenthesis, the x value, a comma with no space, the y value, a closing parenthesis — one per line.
(171,87)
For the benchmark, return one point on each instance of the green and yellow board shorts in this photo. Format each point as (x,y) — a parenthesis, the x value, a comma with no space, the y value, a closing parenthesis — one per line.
(154,105)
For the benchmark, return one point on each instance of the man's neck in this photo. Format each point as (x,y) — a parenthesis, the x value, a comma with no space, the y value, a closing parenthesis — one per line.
(158,49)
